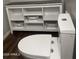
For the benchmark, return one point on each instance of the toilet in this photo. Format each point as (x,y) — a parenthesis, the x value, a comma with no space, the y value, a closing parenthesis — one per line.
(39,46)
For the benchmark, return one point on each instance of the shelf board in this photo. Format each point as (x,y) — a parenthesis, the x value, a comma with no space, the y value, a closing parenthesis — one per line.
(33,21)
(32,13)
(17,19)
(49,28)
(50,20)
(18,28)
(27,29)
(35,28)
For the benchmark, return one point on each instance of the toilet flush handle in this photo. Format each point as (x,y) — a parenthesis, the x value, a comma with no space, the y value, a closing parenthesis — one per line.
(64,19)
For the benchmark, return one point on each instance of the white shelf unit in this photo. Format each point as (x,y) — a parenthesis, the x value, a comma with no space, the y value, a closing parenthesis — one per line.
(33,17)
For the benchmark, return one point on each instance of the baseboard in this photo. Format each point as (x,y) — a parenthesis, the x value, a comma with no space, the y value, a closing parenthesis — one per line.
(6,34)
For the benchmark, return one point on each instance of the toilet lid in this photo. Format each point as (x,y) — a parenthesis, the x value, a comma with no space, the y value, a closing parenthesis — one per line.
(38,45)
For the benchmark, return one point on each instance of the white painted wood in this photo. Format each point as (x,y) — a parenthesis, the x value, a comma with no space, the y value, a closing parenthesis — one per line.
(35,5)
(34,21)
(9,20)
(52,13)
(32,11)
(19,12)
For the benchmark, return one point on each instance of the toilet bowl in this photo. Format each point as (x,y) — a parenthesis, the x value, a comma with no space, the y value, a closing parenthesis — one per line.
(38,47)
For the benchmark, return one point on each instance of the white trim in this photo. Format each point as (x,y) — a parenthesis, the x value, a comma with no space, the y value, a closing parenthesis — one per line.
(9,20)
(6,34)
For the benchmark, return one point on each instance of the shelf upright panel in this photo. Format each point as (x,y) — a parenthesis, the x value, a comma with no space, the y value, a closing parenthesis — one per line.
(9,19)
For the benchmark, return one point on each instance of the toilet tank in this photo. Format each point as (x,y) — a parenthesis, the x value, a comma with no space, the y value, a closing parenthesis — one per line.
(67,35)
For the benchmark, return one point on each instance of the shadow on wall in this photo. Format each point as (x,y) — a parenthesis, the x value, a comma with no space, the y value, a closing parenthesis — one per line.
(71,8)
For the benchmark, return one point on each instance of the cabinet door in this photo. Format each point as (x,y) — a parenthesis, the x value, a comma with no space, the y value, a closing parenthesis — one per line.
(67,45)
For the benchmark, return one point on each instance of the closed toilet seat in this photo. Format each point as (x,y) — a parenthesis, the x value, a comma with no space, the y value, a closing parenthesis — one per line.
(35,46)
(39,47)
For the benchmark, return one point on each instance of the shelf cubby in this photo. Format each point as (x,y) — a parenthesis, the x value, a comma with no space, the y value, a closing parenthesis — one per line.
(51,25)
(33,19)
(16,14)
(32,11)
(17,24)
(33,26)
(51,13)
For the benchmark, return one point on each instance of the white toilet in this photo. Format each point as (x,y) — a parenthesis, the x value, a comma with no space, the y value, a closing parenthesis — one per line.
(39,46)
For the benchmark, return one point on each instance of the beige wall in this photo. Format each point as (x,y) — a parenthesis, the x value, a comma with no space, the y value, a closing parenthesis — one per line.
(71,8)
(5,21)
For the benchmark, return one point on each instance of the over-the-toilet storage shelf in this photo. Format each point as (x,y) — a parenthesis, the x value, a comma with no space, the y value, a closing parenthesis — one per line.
(34,17)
